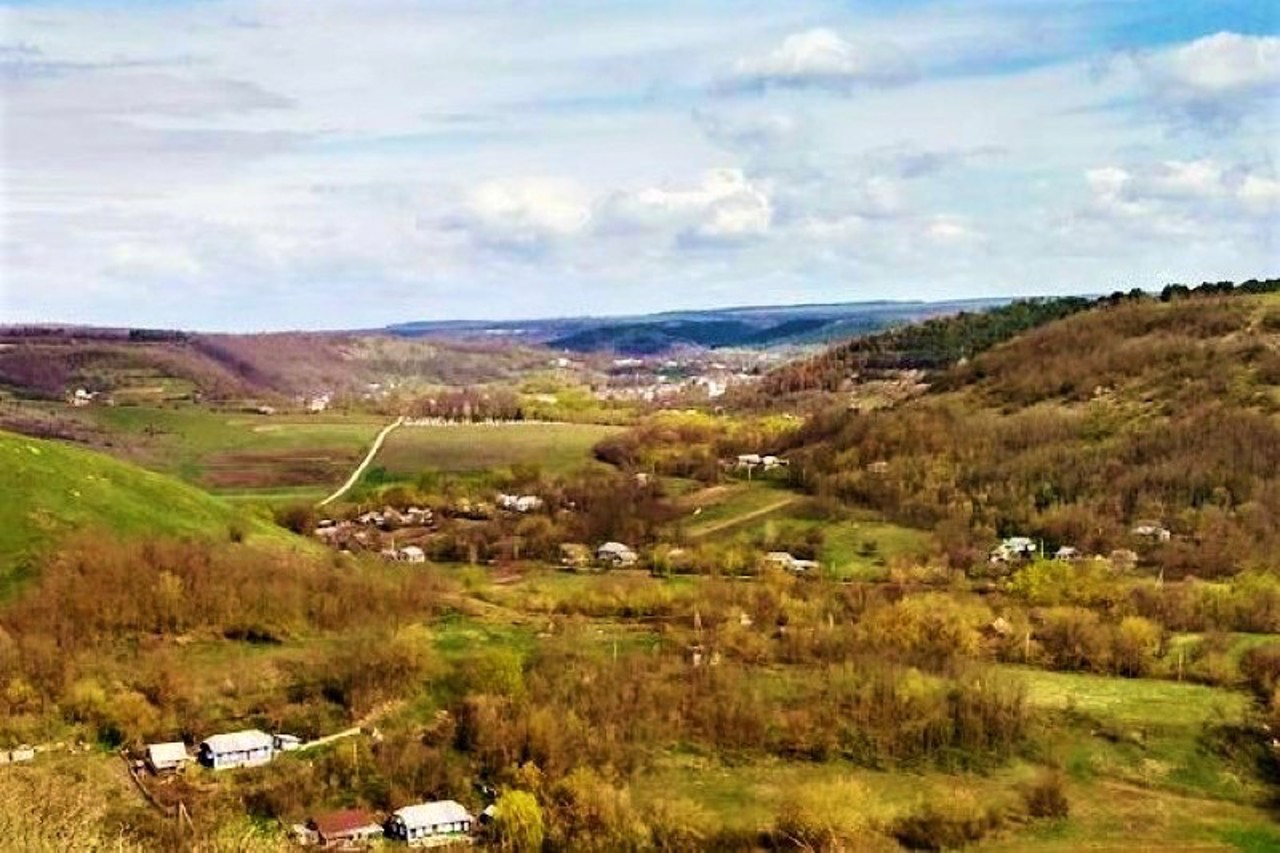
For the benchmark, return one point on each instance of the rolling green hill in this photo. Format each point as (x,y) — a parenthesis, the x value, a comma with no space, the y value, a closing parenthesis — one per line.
(52,490)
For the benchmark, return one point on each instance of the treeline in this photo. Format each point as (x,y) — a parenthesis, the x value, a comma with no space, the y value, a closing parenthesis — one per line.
(931,345)
(936,344)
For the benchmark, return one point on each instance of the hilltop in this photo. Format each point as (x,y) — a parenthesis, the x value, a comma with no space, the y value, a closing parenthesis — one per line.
(53,490)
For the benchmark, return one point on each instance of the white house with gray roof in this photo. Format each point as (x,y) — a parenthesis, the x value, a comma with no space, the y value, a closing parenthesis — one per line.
(248,748)
(430,824)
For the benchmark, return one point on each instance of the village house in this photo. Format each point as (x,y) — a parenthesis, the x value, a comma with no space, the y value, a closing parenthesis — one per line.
(418,516)
(788,562)
(1015,549)
(1152,532)
(248,748)
(520,503)
(1066,554)
(575,555)
(81,397)
(318,403)
(616,555)
(410,554)
(430,824)
(1123,559)
(167,757)
(346,829)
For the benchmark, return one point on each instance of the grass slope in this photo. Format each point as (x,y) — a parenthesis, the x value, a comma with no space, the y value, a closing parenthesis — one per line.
(52,490)
(479,447)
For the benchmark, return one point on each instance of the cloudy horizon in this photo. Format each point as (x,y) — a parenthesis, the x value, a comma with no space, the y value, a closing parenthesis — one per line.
(236,165)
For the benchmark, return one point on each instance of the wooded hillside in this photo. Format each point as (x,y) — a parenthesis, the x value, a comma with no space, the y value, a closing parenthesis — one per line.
(1138,411)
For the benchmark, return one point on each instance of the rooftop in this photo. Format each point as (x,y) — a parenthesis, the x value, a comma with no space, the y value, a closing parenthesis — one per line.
(434,814)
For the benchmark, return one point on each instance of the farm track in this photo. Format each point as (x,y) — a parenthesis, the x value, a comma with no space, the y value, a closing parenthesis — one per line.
(373,451)
(725,524)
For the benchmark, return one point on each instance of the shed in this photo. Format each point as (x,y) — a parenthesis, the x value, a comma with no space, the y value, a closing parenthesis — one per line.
(340,828)
(167,757)
(286,743)
(248,748)
(429,824)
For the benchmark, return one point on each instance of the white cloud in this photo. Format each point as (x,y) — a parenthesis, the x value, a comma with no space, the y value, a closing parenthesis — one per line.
(723,206)
(152,260)
(822,58)
(527,212)
(1194,199)
(1215,80)
(1260,194)
(951,229)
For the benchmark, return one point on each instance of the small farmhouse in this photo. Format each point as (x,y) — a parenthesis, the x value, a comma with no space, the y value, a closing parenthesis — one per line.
(575,555)
(411,554)
(248,748)
(345,828)
(1152,532)
(430,824)
(519,503)
(1066,554)
(790,563)
(616,555)
(167,757)
(1014,549)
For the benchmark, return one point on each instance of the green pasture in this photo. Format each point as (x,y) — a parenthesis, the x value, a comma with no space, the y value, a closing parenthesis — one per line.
(464,448)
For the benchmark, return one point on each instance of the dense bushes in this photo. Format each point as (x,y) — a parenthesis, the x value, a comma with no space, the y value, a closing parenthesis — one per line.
(96,596)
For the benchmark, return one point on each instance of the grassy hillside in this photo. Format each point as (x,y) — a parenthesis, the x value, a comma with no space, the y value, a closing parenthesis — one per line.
(52,490)
(555,448)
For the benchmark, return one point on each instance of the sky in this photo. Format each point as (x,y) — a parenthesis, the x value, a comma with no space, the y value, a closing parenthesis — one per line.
(297,164)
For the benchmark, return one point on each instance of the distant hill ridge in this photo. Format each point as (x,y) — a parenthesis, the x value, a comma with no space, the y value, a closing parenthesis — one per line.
(936,344)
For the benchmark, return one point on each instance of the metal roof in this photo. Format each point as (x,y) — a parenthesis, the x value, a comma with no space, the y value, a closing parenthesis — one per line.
(434,814)
(243,741)
(167,753)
